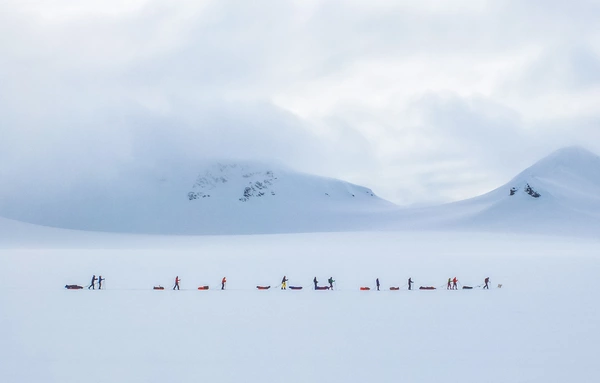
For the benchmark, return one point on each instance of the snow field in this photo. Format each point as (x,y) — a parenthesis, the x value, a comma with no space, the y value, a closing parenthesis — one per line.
(541,326)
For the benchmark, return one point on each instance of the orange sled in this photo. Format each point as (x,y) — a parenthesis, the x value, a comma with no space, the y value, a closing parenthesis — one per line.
(365,288)
(394,288)
(203,288)
(263,287)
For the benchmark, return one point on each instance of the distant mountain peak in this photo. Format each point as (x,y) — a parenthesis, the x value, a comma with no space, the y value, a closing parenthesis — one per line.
(253,181)
(572,150)
(574,157)
(235,182)
(572,162)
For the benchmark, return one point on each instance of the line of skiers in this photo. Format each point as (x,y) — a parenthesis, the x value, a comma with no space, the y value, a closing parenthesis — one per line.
(331,281)
(223,283)
(93,283)
(452,283)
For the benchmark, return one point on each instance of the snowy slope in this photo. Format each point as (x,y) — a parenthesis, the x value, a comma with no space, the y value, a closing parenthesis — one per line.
(558,194)
(254,183)
(531,330)
(221,198)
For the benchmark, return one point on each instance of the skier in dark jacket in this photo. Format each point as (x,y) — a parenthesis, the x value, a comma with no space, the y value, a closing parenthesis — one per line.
(284,283)
(100,279)
(315,282)
(330,280)
(487,280)
(410,282)
(93,284)
(377,282)
(176,283)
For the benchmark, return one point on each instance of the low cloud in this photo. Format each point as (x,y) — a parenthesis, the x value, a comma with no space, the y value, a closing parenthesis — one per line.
(421,102)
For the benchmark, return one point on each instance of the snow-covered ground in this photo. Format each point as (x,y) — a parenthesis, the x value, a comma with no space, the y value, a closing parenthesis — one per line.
(251,198)
(541,326)
(221,198)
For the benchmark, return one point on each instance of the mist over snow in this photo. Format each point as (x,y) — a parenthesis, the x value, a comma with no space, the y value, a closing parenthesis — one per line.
(424,103)
(218,198)
(363,141)
(558,194)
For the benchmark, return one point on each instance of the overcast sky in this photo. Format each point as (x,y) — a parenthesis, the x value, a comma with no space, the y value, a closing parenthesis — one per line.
(423,101)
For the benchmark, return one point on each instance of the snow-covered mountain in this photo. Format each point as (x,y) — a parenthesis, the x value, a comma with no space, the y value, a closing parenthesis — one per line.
(221,198)
(559,193)
(253,182)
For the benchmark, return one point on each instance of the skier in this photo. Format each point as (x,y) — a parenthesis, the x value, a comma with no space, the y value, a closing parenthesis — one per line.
(377,282)
(454,282)
(223,282)
(315,282)
(487,280)
(284,283)
(410,282)
(100,279)
(330,280)
(176,283)
(449,286)
(93,284)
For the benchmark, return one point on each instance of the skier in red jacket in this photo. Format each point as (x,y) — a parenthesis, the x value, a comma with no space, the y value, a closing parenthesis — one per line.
(177,280)
(223,282)
(454,282)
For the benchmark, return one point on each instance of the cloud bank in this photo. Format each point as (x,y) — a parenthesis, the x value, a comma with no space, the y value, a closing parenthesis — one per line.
(424,103)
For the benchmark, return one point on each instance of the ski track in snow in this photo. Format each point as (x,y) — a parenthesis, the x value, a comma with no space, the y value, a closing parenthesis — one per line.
(542,326)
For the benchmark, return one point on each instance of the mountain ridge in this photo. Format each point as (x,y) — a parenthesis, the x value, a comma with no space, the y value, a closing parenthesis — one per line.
(558,193)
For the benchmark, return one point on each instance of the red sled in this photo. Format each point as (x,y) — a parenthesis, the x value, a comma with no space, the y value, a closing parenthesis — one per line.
(322,288)
(295,287)
(263,287)
(73,287)
(203,288)
(365,288)
(426,288)
(394,288)
(158,288)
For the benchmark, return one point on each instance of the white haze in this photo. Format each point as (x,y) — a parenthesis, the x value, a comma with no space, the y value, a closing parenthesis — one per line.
(400,97)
